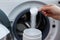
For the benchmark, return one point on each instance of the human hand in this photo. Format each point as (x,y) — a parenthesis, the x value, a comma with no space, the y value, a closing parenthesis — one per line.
(51,11)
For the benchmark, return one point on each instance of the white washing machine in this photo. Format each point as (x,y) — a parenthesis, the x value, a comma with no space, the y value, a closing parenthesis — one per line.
(17,18)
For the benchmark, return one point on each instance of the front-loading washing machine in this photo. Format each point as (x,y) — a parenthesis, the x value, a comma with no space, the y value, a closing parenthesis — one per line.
(15,15)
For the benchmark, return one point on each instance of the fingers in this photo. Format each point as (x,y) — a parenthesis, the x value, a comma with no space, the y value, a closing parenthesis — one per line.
(46,8)
(44,13)
(50,15)
(50,11)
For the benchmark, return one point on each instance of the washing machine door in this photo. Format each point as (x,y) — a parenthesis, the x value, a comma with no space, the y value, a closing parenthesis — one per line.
(4,20)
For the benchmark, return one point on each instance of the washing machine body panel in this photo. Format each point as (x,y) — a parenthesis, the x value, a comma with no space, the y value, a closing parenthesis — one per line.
(53,31)
(13,7)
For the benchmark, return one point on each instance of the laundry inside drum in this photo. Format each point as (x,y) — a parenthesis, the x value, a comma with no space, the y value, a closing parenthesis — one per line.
(23,21)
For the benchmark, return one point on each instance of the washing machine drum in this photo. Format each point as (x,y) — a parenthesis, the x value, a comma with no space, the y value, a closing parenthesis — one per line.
(23,21)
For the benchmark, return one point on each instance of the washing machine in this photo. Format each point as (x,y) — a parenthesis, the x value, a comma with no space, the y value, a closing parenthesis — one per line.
(15,15)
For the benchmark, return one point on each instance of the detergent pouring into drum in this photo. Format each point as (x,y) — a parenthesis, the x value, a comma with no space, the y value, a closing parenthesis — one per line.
(32,33)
